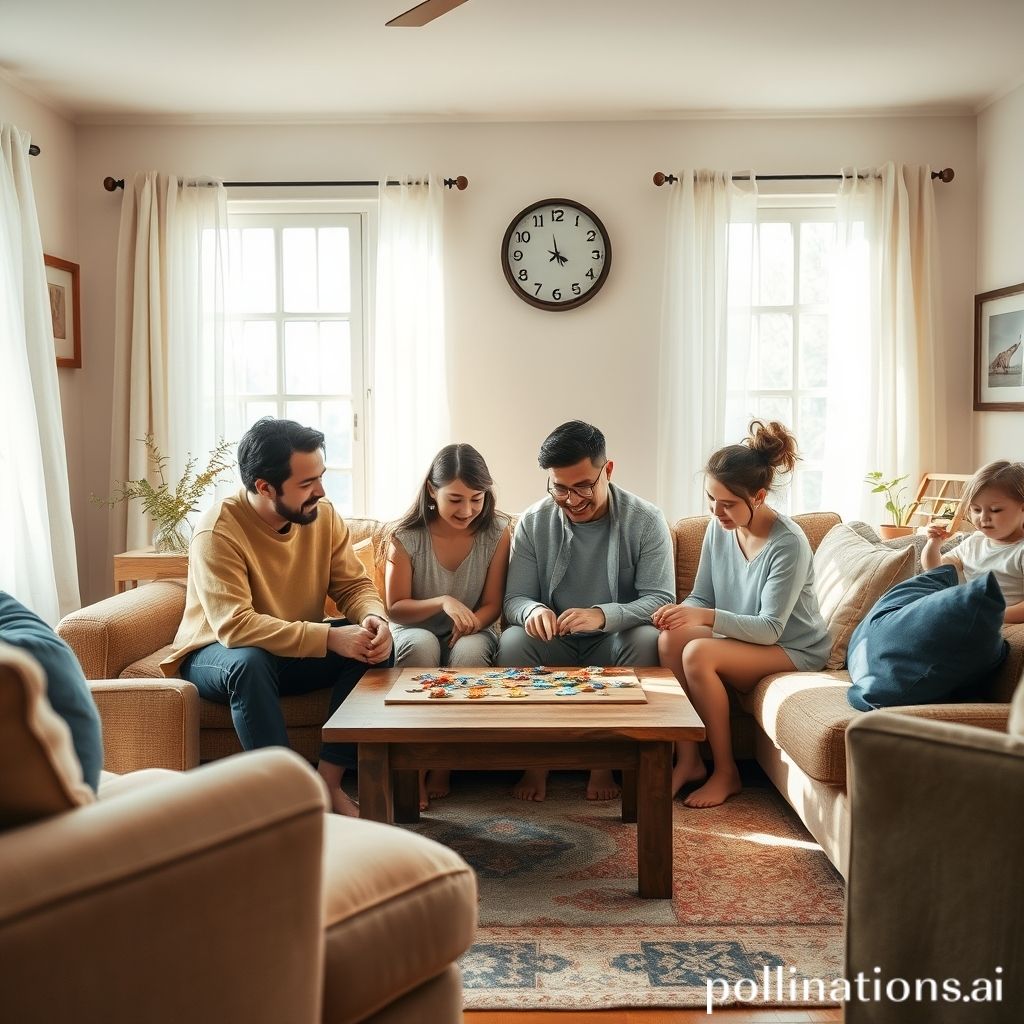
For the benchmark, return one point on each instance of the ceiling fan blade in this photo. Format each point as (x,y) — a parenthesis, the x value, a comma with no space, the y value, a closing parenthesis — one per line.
(423,13)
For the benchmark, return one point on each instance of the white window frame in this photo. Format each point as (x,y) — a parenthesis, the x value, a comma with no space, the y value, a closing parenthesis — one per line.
(360,213)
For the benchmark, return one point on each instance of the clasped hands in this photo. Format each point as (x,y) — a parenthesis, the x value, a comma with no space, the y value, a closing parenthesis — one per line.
(678,616)
(543,624)
(369,642)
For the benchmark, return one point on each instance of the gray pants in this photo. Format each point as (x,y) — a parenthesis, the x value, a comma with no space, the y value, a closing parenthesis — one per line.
(419,648)
(635,647)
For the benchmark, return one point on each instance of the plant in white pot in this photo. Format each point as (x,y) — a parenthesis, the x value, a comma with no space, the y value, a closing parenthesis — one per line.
(895,505)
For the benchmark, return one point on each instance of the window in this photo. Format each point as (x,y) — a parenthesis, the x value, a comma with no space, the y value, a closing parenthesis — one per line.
(779,292)
(298,340)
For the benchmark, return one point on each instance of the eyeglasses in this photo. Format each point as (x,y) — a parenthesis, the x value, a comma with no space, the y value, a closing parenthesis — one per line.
(561,493)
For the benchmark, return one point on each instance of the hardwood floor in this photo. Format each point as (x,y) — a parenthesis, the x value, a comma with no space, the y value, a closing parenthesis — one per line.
(727,1016)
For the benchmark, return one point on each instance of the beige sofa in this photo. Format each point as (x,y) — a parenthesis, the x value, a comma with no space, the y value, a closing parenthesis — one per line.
(793,723)
(219,894)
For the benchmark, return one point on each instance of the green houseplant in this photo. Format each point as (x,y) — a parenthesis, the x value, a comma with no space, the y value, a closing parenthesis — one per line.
(895,505)
(168,507)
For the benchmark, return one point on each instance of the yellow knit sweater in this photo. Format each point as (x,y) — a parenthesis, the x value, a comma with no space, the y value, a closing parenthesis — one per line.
(250,586)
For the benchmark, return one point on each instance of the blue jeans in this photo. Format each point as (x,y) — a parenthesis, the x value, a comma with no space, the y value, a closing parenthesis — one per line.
(251,682)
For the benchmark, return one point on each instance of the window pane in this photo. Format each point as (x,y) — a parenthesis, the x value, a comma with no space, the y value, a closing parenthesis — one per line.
(336,423)
(776,248)
(254,410)
(816,242)
(335,288)
(811,429)
(306,413)
(774,407)
(336,356)
(301,362)
(255,363)
(298,246)
(813,350)
(775,351)
(253,258)
(338,486)
(809,491)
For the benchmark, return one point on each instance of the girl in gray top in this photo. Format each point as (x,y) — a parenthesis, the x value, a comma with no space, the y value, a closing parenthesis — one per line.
(445,574)
(752,610)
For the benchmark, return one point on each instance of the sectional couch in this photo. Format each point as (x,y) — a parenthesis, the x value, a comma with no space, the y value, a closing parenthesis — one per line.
(794,724)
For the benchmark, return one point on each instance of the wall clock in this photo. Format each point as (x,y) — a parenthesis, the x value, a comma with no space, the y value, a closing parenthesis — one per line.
(556,254)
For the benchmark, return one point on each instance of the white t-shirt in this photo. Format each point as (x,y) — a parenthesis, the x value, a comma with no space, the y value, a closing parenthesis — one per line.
(979,554)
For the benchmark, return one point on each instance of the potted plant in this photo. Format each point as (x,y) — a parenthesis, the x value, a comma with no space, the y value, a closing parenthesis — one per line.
(894,504)
(169,507)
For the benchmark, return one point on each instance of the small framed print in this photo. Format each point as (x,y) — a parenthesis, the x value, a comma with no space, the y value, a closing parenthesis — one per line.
(65,310)
(999,349)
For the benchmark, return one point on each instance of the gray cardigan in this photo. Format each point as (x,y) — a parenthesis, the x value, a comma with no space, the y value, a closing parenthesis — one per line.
(641,577)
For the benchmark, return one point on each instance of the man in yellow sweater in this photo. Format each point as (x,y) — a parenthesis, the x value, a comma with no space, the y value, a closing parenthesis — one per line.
(261,564)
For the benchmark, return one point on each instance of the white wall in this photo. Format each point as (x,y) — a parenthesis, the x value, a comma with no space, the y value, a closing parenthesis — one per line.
(55,185)
(518,371)
(1000,435)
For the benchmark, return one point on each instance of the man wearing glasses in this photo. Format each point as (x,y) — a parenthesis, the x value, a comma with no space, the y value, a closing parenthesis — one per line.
(589,565)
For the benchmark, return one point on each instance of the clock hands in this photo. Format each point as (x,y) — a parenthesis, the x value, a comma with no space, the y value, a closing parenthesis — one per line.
(556,255)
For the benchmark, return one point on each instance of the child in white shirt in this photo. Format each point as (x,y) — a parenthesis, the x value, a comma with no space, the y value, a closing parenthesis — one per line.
(994,497)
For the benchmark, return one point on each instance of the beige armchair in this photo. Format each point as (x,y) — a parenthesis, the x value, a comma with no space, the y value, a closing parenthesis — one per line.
(220,894)
(937,844)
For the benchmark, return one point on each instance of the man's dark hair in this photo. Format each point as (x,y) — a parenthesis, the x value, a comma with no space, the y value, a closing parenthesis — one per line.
(571,443)
(265,451)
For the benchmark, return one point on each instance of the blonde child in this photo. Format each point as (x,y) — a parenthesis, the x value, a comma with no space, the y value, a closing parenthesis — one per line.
(752,610)
(447,559)
(994,498)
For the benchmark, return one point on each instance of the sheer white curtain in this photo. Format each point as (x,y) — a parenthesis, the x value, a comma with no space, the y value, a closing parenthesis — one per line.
(886,371)
(169,333)
(37,556)
(705,329)
(410,389)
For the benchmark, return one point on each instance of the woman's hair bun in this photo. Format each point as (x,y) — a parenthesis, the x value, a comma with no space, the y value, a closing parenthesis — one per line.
(774,443)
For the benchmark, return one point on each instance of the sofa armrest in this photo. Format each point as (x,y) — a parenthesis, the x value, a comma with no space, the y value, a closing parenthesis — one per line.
(1009,674)
(937,839)
(148,723)
(109,635)
(197,898)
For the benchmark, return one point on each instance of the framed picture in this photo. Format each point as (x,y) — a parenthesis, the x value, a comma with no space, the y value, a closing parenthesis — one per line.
(999,349)
(65,310)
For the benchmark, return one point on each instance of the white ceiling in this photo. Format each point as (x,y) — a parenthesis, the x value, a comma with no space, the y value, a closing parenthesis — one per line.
(317,60)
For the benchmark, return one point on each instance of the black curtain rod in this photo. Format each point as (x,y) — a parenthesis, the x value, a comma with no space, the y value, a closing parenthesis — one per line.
(660,178)
(461,183)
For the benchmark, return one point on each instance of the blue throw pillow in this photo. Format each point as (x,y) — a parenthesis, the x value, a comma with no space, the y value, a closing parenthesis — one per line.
(66,688)
(927,640)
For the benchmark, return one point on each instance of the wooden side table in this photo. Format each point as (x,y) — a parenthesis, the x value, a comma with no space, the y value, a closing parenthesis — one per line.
(147,564)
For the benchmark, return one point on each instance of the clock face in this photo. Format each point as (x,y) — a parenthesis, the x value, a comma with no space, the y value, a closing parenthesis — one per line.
(556,254)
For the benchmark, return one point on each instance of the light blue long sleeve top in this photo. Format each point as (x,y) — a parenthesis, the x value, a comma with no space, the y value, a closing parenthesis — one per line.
(767,600)
(640,570)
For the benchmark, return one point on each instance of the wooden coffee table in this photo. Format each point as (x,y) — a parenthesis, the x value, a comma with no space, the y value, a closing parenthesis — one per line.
(396,740)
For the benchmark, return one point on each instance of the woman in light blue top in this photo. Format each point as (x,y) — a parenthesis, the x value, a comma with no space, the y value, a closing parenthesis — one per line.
(445,576)
(752,610)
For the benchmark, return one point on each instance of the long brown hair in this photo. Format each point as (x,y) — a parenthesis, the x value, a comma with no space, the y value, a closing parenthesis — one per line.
(749,466)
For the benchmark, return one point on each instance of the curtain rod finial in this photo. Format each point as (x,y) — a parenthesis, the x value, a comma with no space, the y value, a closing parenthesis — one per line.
(660,178)
(113,184)
(946,174)
(461,182)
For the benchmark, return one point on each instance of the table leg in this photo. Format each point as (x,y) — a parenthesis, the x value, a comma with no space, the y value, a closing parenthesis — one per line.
(654,821)
(375,782)
(629,795)
(407,796)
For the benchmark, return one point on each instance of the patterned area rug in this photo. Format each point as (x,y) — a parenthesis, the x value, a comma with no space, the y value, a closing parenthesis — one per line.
(561,926)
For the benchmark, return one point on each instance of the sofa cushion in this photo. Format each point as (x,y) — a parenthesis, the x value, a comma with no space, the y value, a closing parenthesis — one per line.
(850,575)
(65,685)
(398,909)
(927,640)
(40,773)
(366,552)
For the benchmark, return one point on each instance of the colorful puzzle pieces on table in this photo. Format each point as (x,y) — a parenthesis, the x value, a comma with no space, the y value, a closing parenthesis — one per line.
(538,684)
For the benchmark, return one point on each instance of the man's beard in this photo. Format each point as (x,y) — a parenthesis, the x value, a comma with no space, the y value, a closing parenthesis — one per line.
(301,517)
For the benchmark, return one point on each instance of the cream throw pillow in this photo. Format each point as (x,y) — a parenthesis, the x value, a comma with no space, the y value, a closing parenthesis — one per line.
(850,575)
(1016,726)
(40,774)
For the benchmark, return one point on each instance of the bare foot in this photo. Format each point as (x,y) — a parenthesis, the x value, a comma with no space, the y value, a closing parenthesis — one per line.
(438,783)
(683,774)
(532,786)
(342,803)
(718,789)
(601,785)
